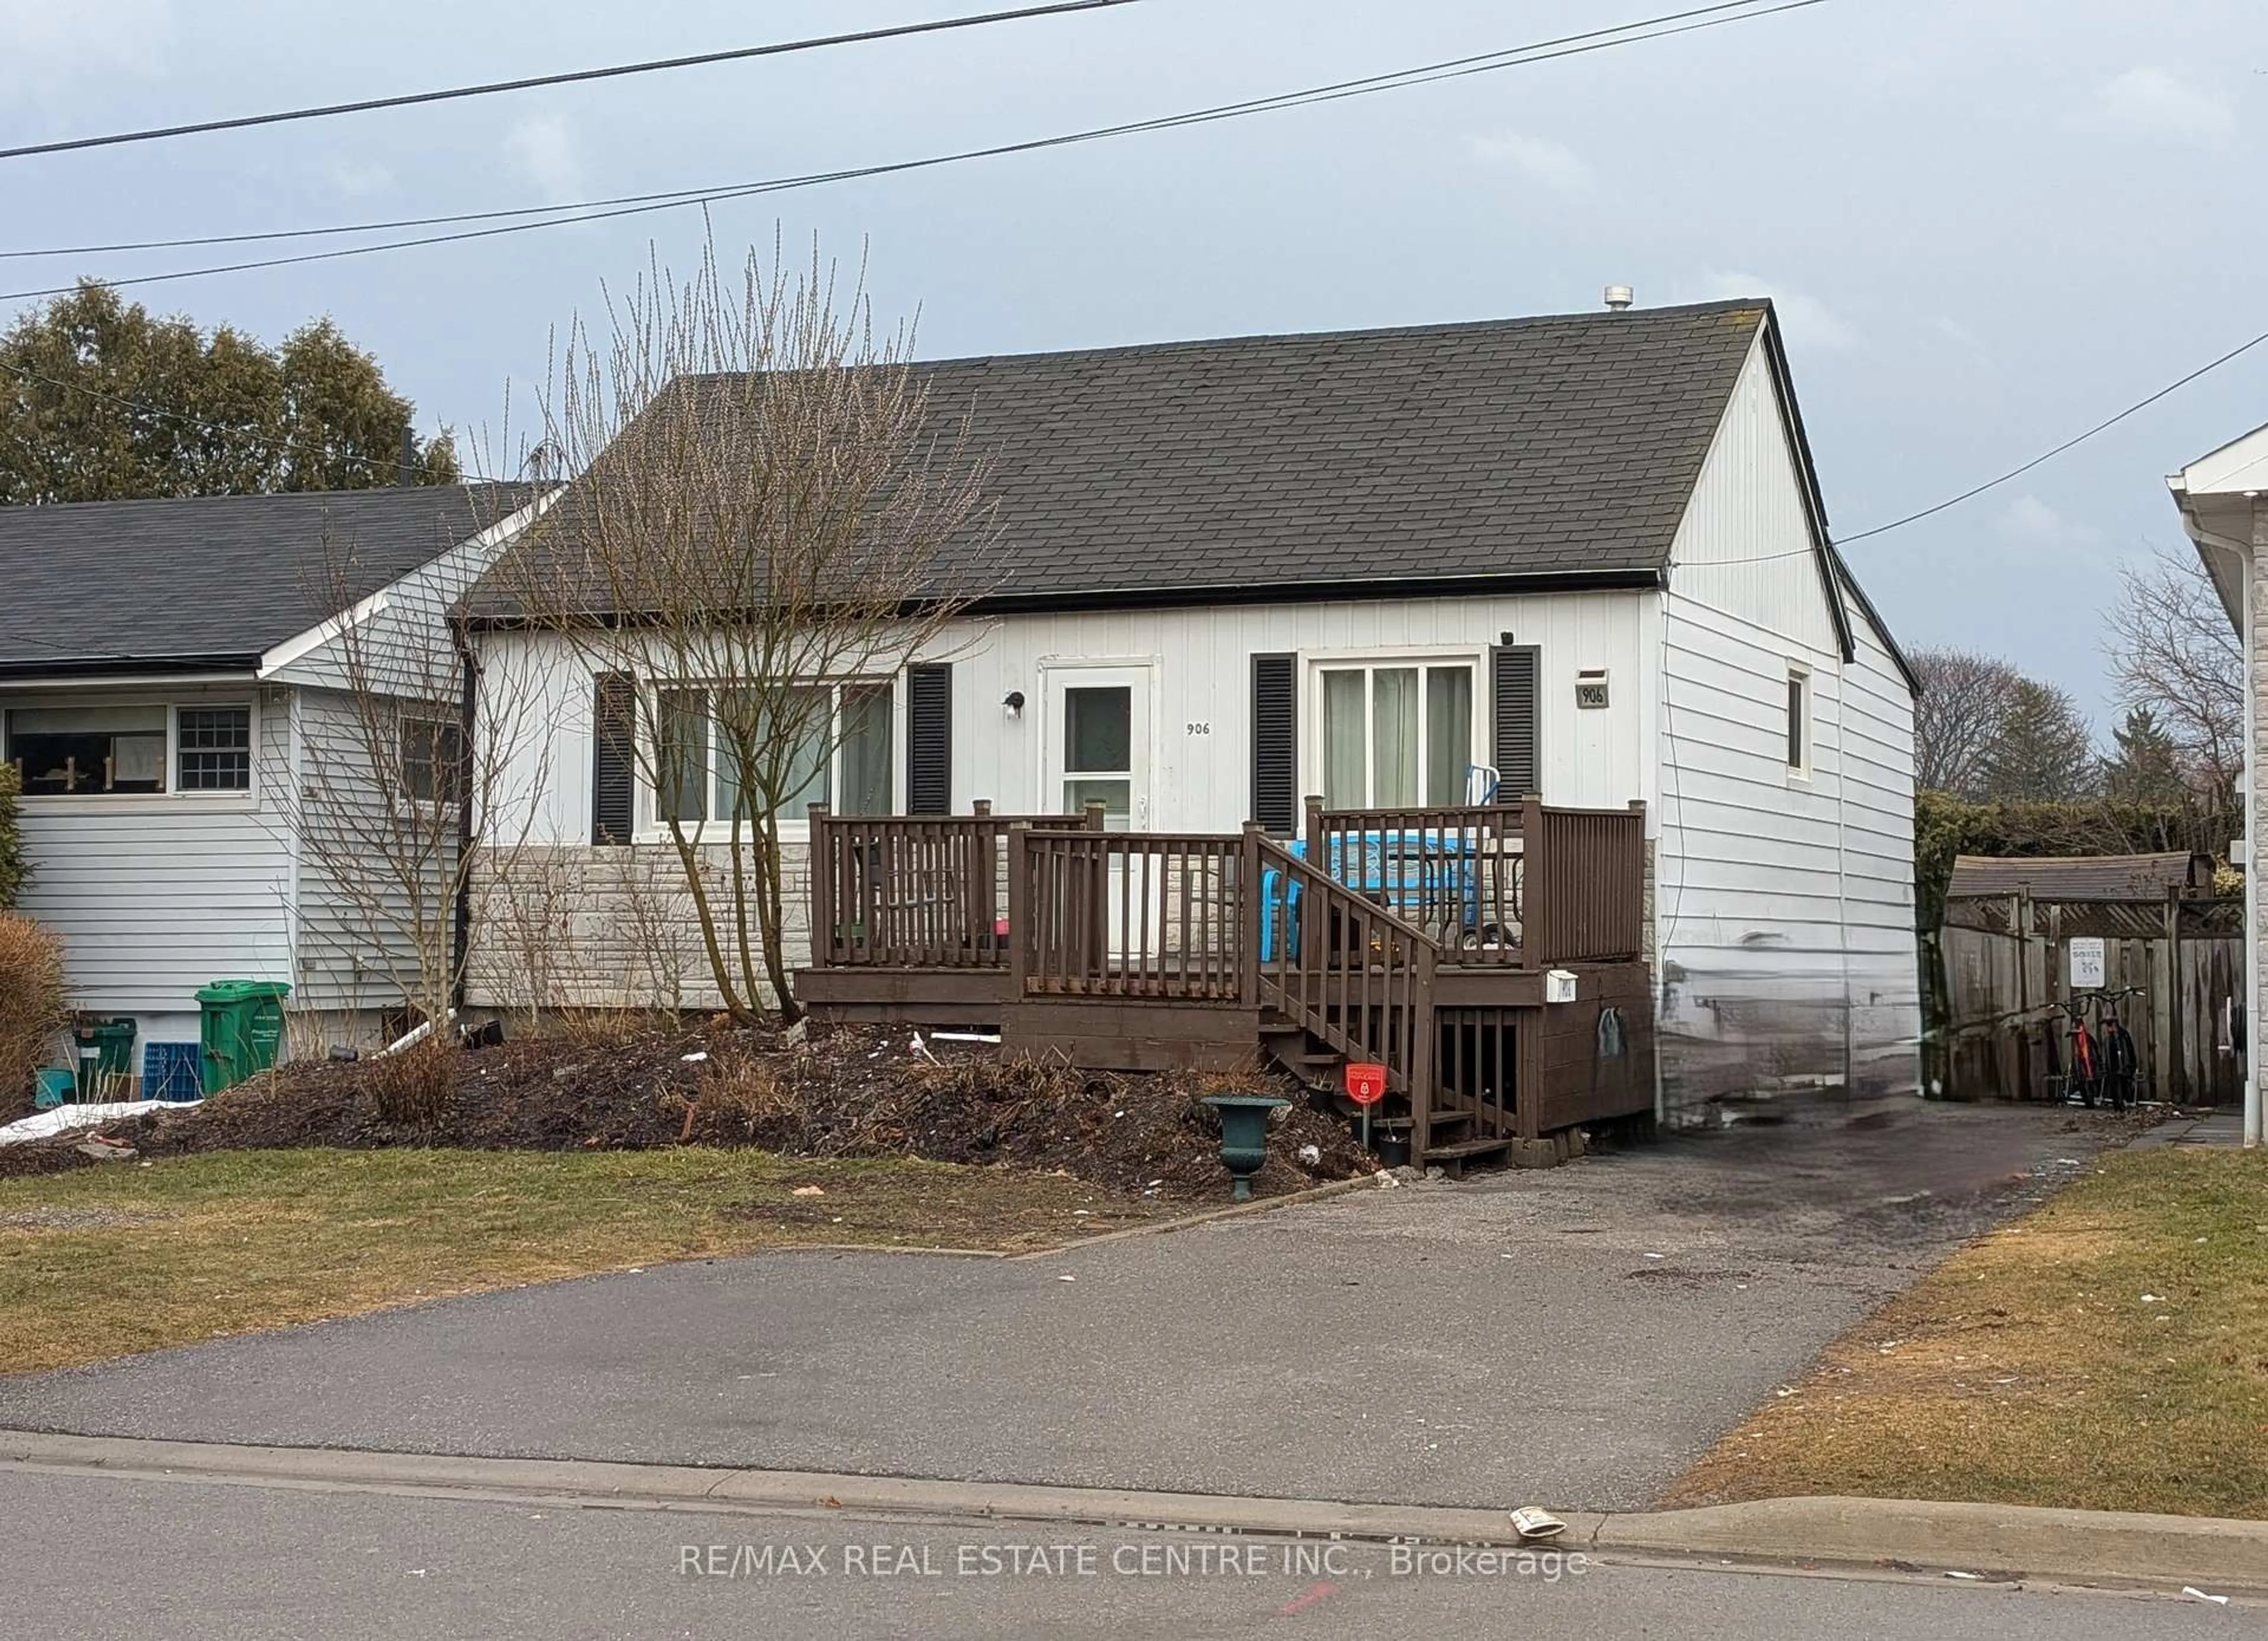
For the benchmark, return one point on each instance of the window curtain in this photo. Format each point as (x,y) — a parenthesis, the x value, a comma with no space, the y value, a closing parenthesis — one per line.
(1448,733)
(1394,737)
(1346,746)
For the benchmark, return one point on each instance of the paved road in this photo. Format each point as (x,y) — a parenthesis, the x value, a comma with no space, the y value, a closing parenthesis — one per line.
(105,1557)
(1573,1338)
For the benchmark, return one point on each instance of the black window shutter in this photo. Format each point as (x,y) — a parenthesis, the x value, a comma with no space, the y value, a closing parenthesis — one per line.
(929,738)
(613,721)
(1512,690)
(1275,743)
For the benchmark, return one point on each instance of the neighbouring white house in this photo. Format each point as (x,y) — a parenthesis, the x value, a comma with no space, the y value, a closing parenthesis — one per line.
(187,691)
(2223,499)
(1582,558)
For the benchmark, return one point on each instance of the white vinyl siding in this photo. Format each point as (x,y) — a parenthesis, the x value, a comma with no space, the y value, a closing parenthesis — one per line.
(156,894)
(373,889)
(1784,893)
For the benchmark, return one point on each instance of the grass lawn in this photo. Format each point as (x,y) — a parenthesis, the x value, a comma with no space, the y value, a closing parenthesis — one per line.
(2030,1368)
(118,1258)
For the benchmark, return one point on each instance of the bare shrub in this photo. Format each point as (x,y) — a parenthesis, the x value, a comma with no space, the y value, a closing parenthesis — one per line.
(32,1001)
(411,1087)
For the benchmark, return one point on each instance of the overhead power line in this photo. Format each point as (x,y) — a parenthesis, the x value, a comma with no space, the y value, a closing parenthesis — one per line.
(2044,456)
(576,77)
(1661,27)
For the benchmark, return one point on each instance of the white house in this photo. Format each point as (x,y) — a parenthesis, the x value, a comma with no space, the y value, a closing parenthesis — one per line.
(177,695)
(2223,498)
(1583,558)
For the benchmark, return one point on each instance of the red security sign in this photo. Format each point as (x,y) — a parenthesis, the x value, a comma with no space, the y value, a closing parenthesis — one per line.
(1365,1084)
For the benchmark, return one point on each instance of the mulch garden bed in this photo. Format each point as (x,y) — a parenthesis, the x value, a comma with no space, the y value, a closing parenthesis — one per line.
(844,1092)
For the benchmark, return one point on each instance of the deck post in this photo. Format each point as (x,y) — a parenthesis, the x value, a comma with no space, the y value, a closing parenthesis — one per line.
(1315,807)
(1098,815)
(1527,1078)
(980,888)
(1247,913)
(1536,933)
(1020,929)
(1424,1045)
(820,870)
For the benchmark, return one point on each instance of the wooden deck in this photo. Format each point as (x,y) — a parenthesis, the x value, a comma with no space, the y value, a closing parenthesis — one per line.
(1415,939)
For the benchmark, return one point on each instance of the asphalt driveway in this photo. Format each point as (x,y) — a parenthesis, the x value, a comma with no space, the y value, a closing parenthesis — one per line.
(1573,1336)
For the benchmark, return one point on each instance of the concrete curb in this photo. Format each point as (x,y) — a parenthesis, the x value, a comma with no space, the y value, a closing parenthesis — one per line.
(1996,1541)
(1234,1210)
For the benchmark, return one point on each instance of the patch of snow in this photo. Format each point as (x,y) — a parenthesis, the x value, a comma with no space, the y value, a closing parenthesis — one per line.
(65,1119)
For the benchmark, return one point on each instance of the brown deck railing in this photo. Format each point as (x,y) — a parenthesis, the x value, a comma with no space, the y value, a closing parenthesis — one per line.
(1587,902)
(1154,915)
(914,891)
(1455,872)
(1352,973)
(1088,912)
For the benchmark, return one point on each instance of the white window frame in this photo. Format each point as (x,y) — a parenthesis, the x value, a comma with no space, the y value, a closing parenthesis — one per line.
(1314,752)
(246,796)
(652,827)
(1800,678)
(409,713)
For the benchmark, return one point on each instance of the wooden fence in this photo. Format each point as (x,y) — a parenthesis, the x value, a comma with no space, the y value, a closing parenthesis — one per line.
(2178,961)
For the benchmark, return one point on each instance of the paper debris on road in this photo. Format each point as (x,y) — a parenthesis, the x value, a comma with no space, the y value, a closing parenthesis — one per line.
(2192,1589)
(1532,1522)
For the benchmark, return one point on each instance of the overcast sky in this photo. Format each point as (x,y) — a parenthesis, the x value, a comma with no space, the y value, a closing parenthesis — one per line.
(1989,223)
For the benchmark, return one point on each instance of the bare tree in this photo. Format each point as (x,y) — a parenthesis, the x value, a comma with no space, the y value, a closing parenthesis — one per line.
(1964,705)
(2175,654)
(755,546)
(394,782)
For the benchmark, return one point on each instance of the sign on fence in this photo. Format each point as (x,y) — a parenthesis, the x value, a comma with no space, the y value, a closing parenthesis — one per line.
(2086,962)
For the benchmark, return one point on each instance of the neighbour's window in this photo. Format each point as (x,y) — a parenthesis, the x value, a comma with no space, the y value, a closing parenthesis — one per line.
(1799,719)
(433,760)
(88,750)
(215,748)
(719,753)
(1396,737)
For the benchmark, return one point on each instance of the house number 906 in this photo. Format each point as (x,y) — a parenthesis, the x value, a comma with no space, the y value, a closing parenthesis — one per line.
(1200,729)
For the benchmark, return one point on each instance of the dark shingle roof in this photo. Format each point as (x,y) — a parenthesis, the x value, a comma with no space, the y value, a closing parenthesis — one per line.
(103,586)
(1529,446)
(2079,878)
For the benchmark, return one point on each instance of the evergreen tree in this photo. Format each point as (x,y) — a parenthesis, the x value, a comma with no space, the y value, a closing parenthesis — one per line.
(2043,751)
(2145,764)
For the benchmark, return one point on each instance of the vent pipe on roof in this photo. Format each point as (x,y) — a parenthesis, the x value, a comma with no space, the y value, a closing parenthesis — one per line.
(1620,297)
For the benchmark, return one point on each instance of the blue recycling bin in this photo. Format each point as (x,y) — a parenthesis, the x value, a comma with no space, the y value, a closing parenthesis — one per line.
(173,1071)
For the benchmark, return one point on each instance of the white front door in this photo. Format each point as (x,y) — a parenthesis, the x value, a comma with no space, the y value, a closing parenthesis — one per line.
(1098,751)
(1098,743)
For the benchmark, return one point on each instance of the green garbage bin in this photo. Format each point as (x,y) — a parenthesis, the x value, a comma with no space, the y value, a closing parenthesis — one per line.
(243,1024)
(106,1058)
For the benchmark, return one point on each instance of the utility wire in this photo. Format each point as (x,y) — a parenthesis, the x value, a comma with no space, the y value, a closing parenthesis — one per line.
(691,195)
(577,76)
(2134,409)
(1519,56)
